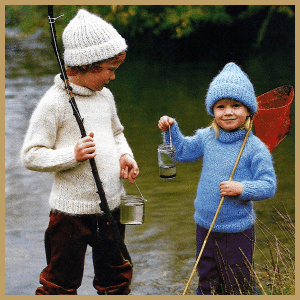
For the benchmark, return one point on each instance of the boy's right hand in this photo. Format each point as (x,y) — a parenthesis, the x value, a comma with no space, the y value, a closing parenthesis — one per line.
(85,148)
(165,122)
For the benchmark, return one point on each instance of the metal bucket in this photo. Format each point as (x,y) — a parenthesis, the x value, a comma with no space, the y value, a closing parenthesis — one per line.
(132,210)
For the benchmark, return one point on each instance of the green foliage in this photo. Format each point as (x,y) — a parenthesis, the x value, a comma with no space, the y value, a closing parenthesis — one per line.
(177,21)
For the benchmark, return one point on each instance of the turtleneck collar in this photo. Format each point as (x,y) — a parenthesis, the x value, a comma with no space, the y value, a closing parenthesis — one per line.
(76,89)
(232,136)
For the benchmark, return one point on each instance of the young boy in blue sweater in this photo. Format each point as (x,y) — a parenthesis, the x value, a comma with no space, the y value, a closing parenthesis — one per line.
(225,265)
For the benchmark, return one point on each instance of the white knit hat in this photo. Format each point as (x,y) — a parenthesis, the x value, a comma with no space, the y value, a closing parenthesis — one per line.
(88,39)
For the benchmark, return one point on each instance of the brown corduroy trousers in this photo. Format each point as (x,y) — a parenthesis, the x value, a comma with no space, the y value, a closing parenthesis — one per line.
(66,240)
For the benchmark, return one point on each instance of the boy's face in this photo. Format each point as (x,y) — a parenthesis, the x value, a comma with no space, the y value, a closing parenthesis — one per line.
(230,114)
(96,80)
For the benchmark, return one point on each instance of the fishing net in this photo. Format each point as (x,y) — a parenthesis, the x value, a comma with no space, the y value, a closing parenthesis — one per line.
(272,122)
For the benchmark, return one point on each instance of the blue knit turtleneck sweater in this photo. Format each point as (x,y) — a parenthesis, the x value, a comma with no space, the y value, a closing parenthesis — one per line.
(255,171)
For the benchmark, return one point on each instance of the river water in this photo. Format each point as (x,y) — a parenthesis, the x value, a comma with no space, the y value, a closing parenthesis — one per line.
(163,248)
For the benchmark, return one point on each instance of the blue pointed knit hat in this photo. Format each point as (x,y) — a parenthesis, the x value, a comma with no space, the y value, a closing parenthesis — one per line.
(231,83)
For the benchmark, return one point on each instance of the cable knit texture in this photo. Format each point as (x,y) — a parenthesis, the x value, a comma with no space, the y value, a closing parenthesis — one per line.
(255,171)
(88,39)
(52,135)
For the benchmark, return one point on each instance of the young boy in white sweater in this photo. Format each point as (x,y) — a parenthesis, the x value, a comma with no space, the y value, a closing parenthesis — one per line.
(93,50)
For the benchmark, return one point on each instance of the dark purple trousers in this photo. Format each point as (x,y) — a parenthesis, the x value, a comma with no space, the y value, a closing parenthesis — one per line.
(226,262)
(66,240)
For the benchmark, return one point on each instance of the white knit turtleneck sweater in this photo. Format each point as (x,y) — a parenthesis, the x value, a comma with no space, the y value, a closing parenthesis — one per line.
(52,135)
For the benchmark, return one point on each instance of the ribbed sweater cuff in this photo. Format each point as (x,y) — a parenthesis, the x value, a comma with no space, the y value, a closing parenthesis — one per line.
(68,157)
(63,159)
(248,192)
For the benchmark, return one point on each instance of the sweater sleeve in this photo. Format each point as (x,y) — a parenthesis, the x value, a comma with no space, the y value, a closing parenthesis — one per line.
(38,152)
(264,182)
(187,148)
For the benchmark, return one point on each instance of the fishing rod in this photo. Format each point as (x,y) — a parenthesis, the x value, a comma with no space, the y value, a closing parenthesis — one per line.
(100,191)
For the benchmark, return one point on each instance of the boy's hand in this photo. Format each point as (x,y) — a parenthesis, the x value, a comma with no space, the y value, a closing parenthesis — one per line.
(85,148)
(164,122)
(129,168)
(231,188)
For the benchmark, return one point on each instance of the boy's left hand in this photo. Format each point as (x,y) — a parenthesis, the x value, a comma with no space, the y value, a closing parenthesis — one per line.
(231,188)
(129,168)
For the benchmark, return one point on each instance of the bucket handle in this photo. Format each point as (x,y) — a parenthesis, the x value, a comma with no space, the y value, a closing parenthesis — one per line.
(169,136)
(139,191)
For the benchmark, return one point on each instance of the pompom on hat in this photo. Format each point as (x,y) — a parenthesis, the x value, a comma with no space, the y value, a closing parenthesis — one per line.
(231,83)
(88,39)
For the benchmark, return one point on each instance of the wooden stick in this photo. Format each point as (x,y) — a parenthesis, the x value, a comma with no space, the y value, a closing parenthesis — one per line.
(218,210)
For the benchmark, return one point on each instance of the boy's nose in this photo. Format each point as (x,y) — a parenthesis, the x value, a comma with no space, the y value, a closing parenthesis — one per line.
(229,111)
(113,77)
